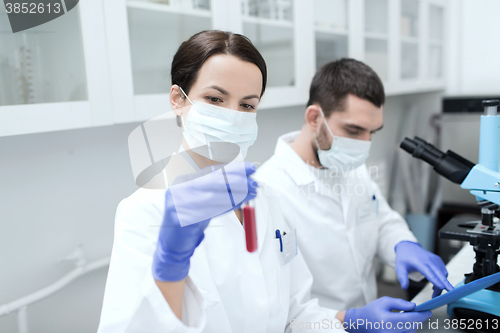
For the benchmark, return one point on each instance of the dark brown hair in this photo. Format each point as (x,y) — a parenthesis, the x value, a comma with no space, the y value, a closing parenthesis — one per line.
(193,53)
(335,80)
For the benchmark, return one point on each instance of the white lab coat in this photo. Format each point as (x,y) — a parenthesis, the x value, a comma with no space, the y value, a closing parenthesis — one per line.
(338,228)
(227,290)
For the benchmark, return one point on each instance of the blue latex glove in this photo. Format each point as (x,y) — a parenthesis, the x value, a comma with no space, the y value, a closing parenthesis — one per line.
(205,197)
(411,257)
(377,317)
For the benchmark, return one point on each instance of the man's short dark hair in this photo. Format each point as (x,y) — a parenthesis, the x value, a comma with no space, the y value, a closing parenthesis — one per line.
(335,80)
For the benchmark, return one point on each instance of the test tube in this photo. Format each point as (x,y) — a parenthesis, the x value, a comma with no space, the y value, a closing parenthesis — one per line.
(250,226)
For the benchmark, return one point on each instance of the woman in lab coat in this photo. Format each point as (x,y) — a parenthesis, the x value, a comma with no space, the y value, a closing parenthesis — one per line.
(179,261)
(155,281)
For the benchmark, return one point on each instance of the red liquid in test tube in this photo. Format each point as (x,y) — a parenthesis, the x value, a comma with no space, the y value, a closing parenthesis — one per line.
(250,227)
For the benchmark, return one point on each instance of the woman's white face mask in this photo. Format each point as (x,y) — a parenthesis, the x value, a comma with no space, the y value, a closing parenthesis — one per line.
(344,152)
(210,125)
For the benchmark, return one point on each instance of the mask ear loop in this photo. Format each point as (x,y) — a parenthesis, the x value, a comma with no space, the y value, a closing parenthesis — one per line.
(316,140)
(327,127)
(185,95)
(179,119)
(314,133)
(208,143)
(182,118)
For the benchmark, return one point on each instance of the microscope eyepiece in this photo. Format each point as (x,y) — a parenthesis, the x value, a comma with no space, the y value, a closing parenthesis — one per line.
(491,102)
(408,145)
(450,165)
(418,148)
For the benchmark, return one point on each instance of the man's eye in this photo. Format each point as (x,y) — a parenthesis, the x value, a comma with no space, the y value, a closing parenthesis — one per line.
(248,107)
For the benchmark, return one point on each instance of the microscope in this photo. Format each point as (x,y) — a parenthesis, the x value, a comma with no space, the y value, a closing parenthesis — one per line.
(483,181)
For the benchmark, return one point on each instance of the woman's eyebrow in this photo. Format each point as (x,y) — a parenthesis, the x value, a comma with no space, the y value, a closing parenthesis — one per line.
(251,96)
(222,91)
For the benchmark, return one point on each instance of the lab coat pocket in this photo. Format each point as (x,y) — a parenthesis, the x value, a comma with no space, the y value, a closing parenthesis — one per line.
(367,211)
(282,279)
(367,228)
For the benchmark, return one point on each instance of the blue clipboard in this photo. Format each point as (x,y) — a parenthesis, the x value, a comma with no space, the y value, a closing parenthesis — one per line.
(458,293)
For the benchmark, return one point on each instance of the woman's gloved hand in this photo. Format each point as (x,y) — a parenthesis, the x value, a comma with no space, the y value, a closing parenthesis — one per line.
(189,206)
(411,257)
(377,317)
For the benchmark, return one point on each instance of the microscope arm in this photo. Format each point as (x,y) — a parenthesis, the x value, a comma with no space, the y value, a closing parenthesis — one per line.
(483,183)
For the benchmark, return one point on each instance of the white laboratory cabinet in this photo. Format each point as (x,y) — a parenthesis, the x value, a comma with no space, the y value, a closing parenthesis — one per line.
(108,61)
(402,40)
(55,76)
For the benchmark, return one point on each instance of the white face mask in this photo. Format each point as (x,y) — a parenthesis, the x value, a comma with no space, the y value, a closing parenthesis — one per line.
(344,152)
(207,124)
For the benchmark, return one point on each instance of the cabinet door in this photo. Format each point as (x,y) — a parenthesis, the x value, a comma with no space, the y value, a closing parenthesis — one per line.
(55,76)
(409,24)
(435,41)
(416,46)
(331,30)
(143,37)
(281,30)
(376,26)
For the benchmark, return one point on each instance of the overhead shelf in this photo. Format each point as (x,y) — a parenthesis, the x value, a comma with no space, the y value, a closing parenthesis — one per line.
(376,35)
(409,40)
(331,30)
(266,21)
(159,7)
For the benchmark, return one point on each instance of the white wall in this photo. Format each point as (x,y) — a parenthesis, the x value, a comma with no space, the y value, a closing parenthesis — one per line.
(472,62)
(460,134)
(59,190)
(272,124)
(404,116)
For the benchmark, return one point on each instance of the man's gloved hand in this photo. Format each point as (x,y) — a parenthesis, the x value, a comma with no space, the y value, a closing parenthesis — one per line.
(411,257)
(377,317)
(189,206)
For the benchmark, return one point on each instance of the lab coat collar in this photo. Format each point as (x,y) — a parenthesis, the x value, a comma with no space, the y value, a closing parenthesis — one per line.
(293,164)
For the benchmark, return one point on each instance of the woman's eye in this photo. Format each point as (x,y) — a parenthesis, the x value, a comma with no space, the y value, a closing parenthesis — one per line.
(214,99)
(248,106)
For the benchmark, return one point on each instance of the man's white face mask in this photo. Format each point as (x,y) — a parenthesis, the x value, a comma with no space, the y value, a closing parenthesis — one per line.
(344,152)
(209,124)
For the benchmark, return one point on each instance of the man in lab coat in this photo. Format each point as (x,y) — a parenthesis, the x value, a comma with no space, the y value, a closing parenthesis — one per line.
(342,219)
